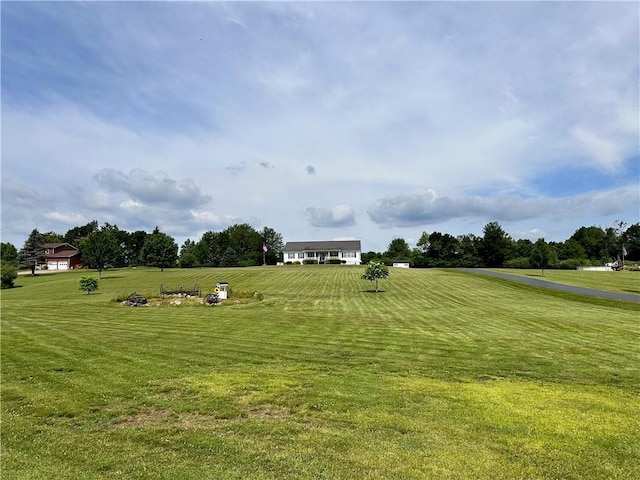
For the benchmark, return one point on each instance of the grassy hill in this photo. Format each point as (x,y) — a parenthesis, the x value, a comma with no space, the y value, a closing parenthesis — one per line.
(441,375)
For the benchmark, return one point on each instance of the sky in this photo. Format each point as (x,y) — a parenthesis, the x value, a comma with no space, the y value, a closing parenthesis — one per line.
(321,120)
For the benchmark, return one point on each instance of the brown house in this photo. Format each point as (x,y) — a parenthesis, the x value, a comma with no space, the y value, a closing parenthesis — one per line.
(61,256)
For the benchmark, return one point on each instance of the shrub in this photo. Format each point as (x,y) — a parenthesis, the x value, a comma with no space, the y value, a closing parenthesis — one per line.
(8,275)
(573,263)
(88,284)
(520,262)
(310,261)
(334,261)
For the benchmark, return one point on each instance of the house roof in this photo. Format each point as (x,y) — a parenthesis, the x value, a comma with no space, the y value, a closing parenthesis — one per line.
(322,245)
(63,254)
(67,250)
(58,245)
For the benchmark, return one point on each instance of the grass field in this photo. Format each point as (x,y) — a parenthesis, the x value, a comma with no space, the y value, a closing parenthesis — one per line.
(443,375)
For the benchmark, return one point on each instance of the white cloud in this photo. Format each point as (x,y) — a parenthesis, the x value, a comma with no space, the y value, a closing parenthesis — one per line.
(67,218)
(427,208)
(152,188)
(337,217)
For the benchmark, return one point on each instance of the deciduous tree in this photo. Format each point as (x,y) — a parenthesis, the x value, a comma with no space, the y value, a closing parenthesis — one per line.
(88,284)
(541,255)
(99,249)
(495,245)
(375,272)
(159,250)
(8,252)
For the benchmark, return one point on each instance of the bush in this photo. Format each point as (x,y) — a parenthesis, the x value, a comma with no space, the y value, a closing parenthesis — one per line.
(334,261)
(573,263)
(8,275)
(88,284)
(310,261)
(520,262)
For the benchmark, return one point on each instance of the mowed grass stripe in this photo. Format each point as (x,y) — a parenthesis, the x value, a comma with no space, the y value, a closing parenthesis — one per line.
(438,376)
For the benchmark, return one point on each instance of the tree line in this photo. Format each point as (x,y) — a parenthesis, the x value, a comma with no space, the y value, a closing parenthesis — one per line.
(107,246)
(587,246)
(241,245)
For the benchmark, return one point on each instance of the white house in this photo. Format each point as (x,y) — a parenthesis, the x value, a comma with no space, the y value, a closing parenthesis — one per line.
(347,251)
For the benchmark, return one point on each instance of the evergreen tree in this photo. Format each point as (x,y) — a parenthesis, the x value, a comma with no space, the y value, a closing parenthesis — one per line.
(32,252)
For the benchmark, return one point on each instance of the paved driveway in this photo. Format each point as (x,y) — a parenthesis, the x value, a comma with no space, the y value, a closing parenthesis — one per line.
(556,286)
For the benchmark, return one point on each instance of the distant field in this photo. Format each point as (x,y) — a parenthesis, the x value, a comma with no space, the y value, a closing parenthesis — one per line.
(443,375)
(624,281)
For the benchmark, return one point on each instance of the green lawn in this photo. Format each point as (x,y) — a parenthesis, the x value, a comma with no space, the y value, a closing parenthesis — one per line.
(443,375)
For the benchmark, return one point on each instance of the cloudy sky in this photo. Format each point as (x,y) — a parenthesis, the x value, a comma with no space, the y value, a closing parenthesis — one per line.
(321,120)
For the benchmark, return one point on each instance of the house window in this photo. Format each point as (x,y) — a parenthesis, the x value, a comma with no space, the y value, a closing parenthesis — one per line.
(311,254)
(333,254)
(291,256)
(348,254)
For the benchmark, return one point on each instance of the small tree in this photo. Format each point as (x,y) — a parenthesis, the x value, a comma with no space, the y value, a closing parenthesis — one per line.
(374,272)
(88,284)
(9,274)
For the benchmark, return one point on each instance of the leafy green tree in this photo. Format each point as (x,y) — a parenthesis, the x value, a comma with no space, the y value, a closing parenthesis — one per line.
(571,249)
(274,243)
(8,273)
(32,252)
(99,249)
(52,237)
(541,255)
(88,284)
(133,246)
(121,239)
(631,241)
(8,253)
(592,240)
(189,254)
(75,235)
(443,247)
(159,250)
(211,247)
(371,256)
(375,272)
(468,250)
(495,245)
(247,243)
(423,243)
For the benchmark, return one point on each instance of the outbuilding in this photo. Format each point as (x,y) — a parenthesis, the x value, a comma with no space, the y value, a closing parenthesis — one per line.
(61,256)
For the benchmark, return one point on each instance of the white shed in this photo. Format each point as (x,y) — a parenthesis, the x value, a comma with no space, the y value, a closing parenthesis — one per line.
(221,289)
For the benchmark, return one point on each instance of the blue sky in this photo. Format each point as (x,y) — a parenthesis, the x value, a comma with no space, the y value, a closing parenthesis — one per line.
(321,120)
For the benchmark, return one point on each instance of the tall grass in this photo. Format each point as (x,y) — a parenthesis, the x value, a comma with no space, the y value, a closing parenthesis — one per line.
(441,375)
